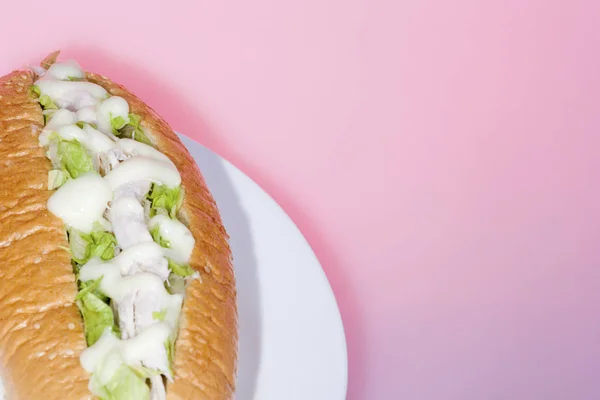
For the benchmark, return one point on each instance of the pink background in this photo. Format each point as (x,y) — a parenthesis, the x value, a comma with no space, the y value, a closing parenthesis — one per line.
(441,157)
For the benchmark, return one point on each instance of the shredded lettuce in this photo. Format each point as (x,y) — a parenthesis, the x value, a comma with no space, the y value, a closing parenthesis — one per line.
(125,384)
(144,372)
(74,158)
(159,315)
(48,114)
(75,79)
(92,287)
(175,284)
(56,178)
(35,91)
(132,129)
(98,243)
(97,315)
(176,268)
(47,103)
(180,269)
(82,124)
(117,123)
(170,347)
(155,233)
(164,200)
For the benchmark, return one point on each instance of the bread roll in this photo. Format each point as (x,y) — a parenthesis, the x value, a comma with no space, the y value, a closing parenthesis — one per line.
(41,328)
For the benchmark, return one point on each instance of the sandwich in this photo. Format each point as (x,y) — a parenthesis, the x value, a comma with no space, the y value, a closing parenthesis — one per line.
(116,276)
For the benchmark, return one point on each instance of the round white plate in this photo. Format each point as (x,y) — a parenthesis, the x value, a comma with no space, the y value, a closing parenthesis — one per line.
(292,343)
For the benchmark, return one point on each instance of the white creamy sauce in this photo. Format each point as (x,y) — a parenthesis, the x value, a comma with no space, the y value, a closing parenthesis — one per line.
(72,95)
(146,349)
(112,107)
(81,202)
(93,140)
(65,70)
(91,357)
(72,132)
(143,168)
(135,148)
(180,238)
(109,365)
(135,278)
(87,114)
(60,118)
(97,141)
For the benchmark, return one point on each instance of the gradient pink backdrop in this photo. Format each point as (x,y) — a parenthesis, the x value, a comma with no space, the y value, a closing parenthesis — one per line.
(441,157)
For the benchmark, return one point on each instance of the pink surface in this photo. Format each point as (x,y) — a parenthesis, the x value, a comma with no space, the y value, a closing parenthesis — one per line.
(441,157)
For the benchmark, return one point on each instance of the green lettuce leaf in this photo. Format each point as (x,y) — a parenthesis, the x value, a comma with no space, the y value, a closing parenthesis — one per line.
(74,159)
(89,245)
(117,123)
(47,103)
(180,269)
(56,178)
(97,315)
(144,372)
(82,124)
(155,233)
(175,284)
(176,268)
(170,347)
(132,129)
(92,287)
(159,315)
(164,200)
(35,91)
(126,384)
(48,114)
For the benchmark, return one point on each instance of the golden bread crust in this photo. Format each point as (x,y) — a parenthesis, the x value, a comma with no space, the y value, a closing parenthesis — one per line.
(41,330)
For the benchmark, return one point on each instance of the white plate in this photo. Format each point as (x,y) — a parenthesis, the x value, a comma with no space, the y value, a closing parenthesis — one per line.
(292,343)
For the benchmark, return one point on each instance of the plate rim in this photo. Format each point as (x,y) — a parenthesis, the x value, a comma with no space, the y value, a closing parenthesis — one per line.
(228,164)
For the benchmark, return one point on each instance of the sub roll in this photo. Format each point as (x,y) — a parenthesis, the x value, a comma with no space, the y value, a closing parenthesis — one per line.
(116,277)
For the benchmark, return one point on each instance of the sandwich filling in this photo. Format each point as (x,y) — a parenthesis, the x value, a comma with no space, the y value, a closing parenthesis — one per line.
(119,198)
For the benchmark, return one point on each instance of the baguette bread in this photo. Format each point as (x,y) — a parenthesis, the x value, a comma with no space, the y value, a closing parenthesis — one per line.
(41,329)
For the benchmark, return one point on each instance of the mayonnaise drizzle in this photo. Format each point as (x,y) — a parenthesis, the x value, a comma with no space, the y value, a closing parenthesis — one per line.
(87,114)
(135,278)
(177,234)
(72,95)
(146,349)
(66,70)
(93,140)
(81,202)
(112,107)
(135,148)
(143,168)
(117,286)
(60,118)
